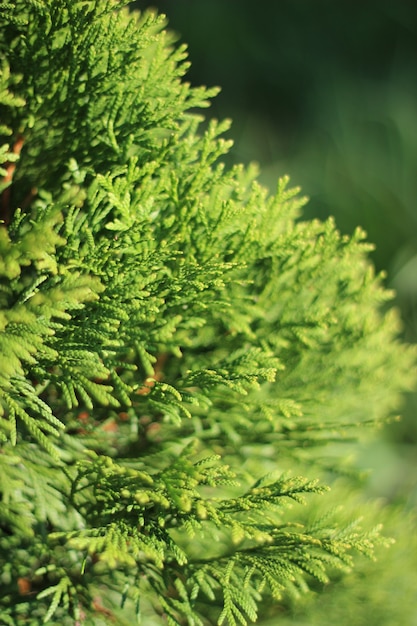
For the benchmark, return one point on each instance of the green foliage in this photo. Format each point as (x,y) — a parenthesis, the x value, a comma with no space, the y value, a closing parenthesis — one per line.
(177,346)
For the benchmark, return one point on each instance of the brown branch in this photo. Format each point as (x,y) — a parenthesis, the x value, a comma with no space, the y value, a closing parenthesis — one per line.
(5,209)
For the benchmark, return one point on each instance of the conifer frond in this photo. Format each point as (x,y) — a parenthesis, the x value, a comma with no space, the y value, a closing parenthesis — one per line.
(173,339)
(61,594)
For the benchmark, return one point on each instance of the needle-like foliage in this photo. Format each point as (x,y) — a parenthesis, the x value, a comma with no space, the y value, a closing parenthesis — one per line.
(177,347)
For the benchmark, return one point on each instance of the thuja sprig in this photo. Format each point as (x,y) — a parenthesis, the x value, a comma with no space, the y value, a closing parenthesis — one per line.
(177,347)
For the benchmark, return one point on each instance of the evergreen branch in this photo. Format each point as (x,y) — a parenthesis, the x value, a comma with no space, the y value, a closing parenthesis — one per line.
(150,297)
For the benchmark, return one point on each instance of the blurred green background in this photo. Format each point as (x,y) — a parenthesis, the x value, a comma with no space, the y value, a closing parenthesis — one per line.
(326,91)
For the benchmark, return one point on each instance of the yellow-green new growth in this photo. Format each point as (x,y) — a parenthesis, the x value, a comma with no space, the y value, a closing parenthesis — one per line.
(177,346)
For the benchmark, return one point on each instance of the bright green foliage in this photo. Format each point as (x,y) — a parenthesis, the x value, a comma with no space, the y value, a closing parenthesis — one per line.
(177,347)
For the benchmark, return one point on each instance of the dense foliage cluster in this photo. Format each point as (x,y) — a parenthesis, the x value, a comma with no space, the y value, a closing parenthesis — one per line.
(179,352)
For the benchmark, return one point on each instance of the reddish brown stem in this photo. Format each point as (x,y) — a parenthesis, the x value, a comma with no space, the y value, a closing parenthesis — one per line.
(10,169)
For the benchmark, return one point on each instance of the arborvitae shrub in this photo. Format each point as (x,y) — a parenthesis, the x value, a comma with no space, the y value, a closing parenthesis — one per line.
(182,358)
